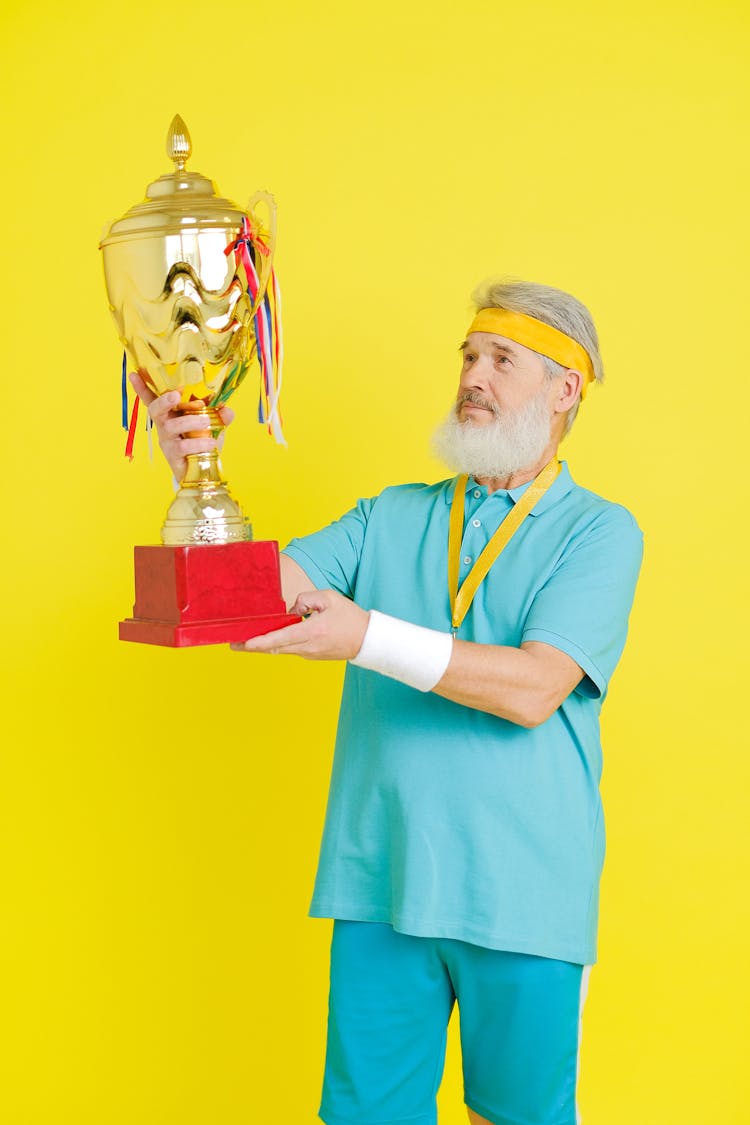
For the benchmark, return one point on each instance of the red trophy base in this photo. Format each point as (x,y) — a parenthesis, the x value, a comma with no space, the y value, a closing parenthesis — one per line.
(206,595)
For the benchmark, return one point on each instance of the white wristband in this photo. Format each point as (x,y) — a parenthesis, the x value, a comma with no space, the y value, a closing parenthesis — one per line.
(410,653)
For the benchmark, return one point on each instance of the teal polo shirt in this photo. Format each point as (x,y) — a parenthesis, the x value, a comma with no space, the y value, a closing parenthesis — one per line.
(442,820)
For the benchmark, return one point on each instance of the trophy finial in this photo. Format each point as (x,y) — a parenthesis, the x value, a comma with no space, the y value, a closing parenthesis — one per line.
(178,143)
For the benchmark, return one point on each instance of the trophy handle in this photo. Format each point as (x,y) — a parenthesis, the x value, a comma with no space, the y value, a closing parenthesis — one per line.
(265,227)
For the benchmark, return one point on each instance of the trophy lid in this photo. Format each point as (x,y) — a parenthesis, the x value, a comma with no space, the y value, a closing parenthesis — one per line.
(177,202)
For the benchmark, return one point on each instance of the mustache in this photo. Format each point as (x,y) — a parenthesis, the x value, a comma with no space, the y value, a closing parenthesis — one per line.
(476,399)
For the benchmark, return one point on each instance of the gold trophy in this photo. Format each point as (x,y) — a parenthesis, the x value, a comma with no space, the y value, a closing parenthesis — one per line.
(192,290)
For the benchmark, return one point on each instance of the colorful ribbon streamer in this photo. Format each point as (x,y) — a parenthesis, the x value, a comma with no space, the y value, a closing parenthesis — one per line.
(266,326)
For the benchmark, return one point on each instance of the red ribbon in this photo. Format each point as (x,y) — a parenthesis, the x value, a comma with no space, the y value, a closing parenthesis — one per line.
(131,429)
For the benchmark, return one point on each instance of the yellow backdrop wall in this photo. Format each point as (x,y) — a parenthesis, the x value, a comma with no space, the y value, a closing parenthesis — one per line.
(160,810)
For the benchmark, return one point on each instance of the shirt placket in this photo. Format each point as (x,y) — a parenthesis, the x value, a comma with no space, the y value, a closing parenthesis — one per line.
(484,514)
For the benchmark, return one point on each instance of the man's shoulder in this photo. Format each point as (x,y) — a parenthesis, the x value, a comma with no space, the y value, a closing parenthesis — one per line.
(414,493)
(589,526)
(594,508)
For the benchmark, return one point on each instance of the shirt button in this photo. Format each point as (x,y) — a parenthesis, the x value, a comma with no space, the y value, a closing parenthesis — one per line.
(476,523)
(467,560)
(477,493)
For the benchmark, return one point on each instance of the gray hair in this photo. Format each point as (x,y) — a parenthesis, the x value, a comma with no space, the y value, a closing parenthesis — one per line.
(554,307)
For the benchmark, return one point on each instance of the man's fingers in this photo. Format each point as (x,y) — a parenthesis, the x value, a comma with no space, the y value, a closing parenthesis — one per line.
(280,640)
(144,393)
(183,424)
(310,601)
(288,650)
(161,408)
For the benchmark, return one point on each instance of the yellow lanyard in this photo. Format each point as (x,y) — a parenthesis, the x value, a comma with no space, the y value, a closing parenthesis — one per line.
(462,599)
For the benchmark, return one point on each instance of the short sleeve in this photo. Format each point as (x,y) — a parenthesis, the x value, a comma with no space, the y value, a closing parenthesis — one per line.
(330,557)
(584,606)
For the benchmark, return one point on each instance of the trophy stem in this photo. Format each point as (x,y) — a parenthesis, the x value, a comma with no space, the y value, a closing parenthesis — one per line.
(203,510)
(203,470)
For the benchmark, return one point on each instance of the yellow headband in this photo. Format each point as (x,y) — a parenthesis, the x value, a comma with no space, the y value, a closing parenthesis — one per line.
(538,336)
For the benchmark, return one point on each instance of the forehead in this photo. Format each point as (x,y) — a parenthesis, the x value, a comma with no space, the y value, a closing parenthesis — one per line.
(489,341)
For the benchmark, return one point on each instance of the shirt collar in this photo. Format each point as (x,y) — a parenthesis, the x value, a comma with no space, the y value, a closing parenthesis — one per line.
(559,488)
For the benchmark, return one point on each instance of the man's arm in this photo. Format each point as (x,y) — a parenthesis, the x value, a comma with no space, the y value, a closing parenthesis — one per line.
(524,685)
(293,580)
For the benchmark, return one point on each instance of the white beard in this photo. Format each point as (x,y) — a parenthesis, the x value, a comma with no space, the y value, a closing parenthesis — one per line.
(511,442)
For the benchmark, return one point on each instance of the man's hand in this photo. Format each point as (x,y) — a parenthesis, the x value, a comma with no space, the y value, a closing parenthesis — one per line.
(334,629)
(170,426)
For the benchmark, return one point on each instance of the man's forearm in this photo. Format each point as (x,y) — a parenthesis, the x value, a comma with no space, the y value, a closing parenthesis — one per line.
(524,685)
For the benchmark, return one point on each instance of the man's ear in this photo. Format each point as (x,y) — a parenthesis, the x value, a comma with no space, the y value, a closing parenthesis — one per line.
(570,388)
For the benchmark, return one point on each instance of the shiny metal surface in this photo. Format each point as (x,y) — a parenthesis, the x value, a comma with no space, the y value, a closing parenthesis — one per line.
(184,315)
(181,307)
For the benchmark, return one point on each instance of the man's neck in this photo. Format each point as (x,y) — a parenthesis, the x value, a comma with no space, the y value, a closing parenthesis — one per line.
(522,476)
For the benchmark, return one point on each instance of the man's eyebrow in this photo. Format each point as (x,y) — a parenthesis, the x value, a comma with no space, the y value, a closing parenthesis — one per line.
(498,347)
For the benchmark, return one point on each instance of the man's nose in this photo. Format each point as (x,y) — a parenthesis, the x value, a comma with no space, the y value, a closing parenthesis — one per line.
(478,376)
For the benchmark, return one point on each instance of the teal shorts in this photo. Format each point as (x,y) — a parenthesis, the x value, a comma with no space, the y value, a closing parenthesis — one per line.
(391,998)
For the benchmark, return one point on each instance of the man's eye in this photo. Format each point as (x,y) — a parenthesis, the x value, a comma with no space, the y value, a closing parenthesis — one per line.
(502,359)
(469,357)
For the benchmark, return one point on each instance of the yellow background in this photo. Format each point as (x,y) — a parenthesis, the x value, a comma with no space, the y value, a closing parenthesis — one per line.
(160,810)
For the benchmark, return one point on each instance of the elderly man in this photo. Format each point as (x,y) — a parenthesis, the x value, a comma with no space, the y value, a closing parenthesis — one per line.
(482,618)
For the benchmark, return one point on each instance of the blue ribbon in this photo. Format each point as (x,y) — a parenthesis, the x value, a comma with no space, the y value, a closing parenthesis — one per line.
(124,392)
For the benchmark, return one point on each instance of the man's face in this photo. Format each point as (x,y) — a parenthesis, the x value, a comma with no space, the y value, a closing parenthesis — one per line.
(498,376)
(502,420)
